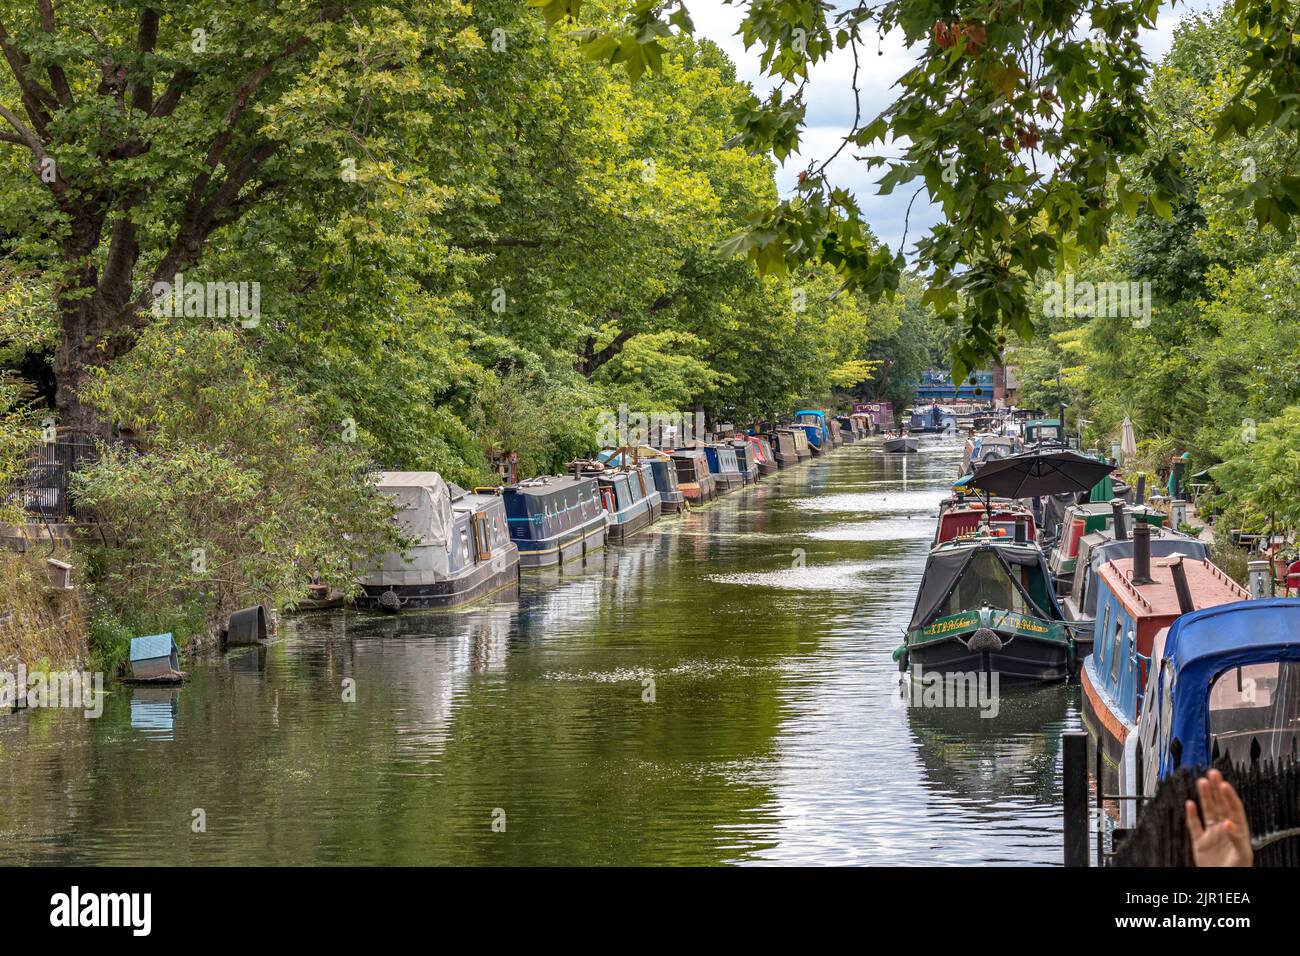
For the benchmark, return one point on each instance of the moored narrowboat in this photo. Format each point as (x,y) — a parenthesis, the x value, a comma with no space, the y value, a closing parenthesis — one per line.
(1224,683)
(461,551)
(764,459)
(745,460)
(554,519)
(1095,549)
(986,605)
(664,471)
(1138,597)
(960,516)
(696,482)
(724,467)
(812,423)
(630,500)
(1113,518)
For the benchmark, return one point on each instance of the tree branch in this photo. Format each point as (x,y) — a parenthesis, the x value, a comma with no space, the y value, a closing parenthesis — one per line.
(57,78)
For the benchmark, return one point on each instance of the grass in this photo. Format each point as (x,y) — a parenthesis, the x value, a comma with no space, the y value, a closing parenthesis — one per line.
(36,623)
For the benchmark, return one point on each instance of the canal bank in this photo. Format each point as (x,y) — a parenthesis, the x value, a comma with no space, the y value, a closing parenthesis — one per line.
(718,690)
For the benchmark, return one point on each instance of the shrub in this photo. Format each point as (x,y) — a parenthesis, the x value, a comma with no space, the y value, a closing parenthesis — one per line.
(228,494)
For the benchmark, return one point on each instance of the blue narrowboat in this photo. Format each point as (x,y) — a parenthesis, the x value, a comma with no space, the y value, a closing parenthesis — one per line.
(1137,599)
(813,424)
(664,470)
(554,519)
(630,500)
(1224,682)
(724,467)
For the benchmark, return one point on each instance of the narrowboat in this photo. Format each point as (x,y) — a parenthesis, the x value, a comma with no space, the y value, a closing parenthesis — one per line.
(461,551)
(764,460)
(696,482)
(1095,549)
(1112,518)
(813,424)
(1044,433)
(848,429)
(662,469)
(554,519)
(960,516)
(630,500)
(900,444)
(724,467)
(744,461)
(1137,598)
(802,449)
(784,449)
(1224,683)
(936,419)
(836,433)
(982,448)
(986,605)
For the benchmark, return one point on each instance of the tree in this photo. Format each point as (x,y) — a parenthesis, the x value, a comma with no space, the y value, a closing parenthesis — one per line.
(149,129)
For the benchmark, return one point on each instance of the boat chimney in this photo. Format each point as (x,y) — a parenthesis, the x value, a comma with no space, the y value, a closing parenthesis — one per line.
(1185,603)
(1142,490)
(1142,553)
(1022,529)
(1121,528)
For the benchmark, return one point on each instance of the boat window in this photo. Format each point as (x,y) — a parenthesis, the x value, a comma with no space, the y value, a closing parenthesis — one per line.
(985,581)
(1099,631)
(1115,648)
(1255,711)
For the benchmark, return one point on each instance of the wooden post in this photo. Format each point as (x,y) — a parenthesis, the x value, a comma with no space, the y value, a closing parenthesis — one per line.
(1074,750)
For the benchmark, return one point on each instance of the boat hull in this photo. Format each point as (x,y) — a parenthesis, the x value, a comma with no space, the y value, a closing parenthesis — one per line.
(576,544)
(620,532)
(478,583)
(1021,660)
(1108,728)
(900,445)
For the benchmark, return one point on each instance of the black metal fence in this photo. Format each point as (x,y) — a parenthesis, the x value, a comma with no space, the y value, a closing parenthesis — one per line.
(43,490)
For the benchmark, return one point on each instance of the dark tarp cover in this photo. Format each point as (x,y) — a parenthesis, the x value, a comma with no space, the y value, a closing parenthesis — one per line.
(944,570)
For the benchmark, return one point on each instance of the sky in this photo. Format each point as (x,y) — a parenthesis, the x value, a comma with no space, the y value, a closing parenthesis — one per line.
(831,107)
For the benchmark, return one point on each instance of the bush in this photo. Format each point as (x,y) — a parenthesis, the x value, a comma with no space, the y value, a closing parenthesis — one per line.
(228,495)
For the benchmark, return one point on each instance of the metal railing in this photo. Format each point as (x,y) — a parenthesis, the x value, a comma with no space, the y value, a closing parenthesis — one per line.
(43,490)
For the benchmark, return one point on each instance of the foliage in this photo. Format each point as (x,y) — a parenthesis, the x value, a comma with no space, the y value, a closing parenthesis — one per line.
(228,495)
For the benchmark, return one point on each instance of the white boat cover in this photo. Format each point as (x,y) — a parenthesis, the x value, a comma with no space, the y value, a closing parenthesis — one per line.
(427,517)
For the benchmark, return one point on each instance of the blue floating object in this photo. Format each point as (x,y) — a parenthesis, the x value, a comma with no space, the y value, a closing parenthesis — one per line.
(155,657)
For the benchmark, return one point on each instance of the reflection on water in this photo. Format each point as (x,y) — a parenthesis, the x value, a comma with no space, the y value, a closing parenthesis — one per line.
(718,691)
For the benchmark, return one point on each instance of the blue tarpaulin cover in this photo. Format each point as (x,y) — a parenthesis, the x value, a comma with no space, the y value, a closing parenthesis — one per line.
(1206,643)
(148,648)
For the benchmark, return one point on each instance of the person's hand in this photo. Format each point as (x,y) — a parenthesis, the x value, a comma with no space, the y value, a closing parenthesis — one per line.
(1224,839)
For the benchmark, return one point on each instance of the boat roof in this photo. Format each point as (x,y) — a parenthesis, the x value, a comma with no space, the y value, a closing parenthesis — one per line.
(1204,644)
(548,484)
(409,479)
(1209,586)
(1046,422)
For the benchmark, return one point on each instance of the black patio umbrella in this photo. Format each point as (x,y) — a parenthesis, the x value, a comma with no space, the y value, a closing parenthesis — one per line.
(1034,474)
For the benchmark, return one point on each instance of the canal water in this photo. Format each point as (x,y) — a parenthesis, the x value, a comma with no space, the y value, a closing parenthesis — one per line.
(720,691)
